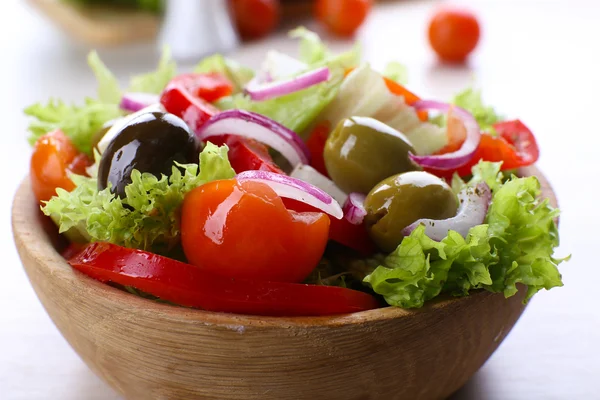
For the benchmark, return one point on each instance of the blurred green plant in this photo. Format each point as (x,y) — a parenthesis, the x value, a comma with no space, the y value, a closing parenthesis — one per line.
(154,6)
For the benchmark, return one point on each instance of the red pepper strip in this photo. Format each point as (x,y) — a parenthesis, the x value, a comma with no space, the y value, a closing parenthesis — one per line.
(179,100)
(409,97)
(191,286)
(515,146)
(316,146)
(247,154)
(340,230)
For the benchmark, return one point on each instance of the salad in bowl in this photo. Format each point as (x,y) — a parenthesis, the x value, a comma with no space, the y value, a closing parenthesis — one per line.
(312,186)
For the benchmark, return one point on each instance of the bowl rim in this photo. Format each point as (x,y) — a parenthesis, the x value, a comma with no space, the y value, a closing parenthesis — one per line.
(32,241)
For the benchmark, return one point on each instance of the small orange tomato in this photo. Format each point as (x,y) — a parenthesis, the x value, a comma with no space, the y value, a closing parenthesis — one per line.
(256,18)
(243,230)
(53,156)
(453,34)
(342,17)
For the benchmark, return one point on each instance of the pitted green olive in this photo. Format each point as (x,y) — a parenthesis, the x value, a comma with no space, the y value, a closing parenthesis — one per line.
(362,151)
(400,200)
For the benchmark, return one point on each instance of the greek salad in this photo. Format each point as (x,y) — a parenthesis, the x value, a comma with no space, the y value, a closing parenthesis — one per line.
(314,185)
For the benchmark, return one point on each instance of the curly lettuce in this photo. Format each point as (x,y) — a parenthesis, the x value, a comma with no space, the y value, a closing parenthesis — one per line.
(81,122)
(515,245)
(147,217)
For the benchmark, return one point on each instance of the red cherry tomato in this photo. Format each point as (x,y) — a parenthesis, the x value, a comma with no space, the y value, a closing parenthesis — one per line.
(247,154)
(256,18)
(341,230)
(53,157)
(453,34)
(192,286)
(515,146)
(183,97)
(243,230)
(342,17)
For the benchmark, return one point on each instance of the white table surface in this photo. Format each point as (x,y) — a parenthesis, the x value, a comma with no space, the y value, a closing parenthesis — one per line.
(538,60)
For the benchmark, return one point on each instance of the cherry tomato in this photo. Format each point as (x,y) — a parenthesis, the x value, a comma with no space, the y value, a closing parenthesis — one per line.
(256,18)
(247,154)
(316,146)
(53,157)
(515,146)
(243,230)
(191,286)
(342,17)
(183,97)
(453,34)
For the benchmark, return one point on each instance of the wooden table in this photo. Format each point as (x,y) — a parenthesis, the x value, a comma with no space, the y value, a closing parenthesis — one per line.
(538,61)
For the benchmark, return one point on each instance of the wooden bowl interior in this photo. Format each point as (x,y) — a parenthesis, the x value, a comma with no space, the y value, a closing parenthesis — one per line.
(145,349)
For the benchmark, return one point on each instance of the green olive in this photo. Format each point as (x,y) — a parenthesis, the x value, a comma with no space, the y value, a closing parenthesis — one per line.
(400,200)
(362,151)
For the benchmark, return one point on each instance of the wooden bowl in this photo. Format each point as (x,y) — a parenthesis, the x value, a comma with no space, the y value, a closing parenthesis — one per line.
(146,350)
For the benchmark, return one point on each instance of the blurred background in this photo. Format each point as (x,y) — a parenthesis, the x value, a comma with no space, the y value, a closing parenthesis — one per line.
(536,60)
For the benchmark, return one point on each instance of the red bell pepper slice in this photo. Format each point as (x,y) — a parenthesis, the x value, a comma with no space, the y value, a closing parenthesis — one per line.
(515,146)
(182,98)
(191,286)
(247,154)
(316,146)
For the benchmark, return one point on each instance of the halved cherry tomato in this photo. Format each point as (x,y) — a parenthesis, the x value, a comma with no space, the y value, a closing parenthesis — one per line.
(316,146)
(453,33)
(342,17)
(340,230)
(515,146)
(199,287)
(182,98)
(247,154)
(256,18)
(53,157)
(243,230)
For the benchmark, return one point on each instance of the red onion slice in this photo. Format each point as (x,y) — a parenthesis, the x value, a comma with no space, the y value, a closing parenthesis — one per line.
(474,203)
(354,208)
(265,91)
(135,101)
(461,156)
(310,175)
(296,189)
(260,128)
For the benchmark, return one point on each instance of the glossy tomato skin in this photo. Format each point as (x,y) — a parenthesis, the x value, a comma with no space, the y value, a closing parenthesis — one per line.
(453,34)
(342,17)
(341,230)
(243,230)
(255,19)
(53,157)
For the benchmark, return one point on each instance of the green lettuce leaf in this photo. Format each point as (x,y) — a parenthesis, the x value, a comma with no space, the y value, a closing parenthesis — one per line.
(79,123)
(312,49)
(238,74)
(155,82)
(148,217)
(297,110)
(108,86)
(515,245)
(470,99)
(396,72)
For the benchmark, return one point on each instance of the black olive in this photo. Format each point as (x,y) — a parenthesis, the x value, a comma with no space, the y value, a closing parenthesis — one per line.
(150,142)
